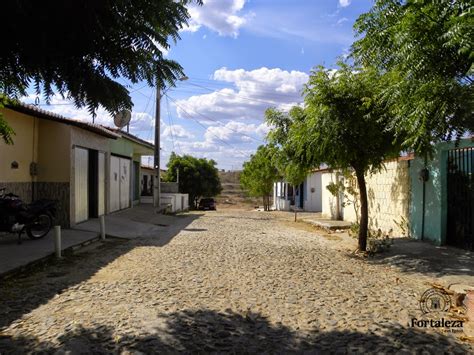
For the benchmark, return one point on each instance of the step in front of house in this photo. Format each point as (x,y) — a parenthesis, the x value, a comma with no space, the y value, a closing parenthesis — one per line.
(328,224)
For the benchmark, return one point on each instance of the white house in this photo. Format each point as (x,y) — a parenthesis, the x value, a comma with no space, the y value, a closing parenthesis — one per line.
(307,196)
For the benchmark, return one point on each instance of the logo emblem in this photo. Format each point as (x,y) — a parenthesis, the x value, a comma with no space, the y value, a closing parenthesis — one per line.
(435,300)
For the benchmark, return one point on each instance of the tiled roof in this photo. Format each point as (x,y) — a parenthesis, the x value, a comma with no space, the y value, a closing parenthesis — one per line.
(51,116)
(131,137)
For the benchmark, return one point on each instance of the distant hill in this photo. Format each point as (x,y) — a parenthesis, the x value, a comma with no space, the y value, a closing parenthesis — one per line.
(233,195)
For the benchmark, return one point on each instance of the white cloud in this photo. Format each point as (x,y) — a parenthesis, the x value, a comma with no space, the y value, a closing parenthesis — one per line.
(344,3)
(222,16)
(342,20)
(254,91)
(176,131)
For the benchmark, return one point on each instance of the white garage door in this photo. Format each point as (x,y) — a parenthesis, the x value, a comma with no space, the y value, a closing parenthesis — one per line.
(81,168)
(125,183)
(119,183)
(114,183)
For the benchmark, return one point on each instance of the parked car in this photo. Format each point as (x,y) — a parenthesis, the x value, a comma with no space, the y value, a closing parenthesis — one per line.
(207,204)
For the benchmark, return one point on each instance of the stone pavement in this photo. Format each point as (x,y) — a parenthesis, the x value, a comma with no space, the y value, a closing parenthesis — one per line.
(225,281)
(140,221)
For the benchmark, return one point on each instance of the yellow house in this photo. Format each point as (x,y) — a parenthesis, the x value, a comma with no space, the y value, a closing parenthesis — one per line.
(57,158)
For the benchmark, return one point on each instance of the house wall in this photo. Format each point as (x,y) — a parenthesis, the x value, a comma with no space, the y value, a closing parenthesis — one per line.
(85,139)
(312,193)
(329,203)
(24,151)
(388,193)
(54,165)
(280,196)
(435,194)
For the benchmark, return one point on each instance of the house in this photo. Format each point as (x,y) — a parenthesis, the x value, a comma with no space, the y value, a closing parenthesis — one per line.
(57,158)
(307,196)
(388,193)
(442,195)
(125,173)
(90,169)
(432,201)
(170,196)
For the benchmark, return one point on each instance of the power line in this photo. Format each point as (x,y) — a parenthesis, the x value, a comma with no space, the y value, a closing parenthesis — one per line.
(169,121)
(199,123)
(170,117)
(218,122)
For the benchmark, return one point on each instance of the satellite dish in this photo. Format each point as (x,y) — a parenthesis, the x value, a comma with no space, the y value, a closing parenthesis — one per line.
(122,118)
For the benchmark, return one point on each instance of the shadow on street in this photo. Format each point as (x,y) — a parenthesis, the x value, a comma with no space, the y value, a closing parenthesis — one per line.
(211,332)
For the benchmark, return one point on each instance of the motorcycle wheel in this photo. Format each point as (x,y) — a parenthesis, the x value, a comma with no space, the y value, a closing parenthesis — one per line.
(40,227)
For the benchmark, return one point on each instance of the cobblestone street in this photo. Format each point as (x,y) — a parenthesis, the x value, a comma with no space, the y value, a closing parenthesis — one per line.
(229,281)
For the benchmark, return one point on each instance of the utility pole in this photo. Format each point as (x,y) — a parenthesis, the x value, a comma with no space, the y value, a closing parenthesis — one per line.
(156,164)
(156,185)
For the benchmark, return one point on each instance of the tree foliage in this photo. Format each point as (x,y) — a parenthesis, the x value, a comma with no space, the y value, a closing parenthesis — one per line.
(80,48)
(292,170)
(345,124)
(6,132)
(426,50)
(197,176)
(259,174)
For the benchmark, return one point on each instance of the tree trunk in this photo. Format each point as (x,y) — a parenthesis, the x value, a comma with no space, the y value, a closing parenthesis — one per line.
(364,211)
(294,199)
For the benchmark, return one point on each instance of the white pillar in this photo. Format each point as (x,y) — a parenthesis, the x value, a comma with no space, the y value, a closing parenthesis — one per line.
(57,241)
(102,227)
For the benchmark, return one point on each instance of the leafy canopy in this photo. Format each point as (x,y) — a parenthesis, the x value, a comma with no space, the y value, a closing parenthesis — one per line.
(80,48)
(345,121)
(260,172)
(197,176)
(293,171)
(426,49)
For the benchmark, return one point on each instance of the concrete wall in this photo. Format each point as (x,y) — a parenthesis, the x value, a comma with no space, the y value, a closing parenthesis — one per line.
(388,196)
(178,202)
(312,193)
(435,194)
(329,203)
(24,151)
(54,163)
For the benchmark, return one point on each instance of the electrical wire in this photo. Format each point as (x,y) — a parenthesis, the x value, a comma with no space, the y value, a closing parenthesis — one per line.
(199,123)
(218,122)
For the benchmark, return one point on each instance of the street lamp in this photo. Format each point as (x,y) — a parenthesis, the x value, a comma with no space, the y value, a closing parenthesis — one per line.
(156,164)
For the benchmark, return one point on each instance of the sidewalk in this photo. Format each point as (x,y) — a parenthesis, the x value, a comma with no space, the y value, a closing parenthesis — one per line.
(139,221)
(14,255)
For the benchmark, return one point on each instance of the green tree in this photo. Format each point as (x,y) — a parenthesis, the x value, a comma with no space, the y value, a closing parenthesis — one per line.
(259,174)
(426,49)
(198,177)
(292,170)
(80,48)
(345,125)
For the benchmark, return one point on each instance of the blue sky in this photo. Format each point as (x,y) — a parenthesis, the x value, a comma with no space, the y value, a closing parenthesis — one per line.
(241,57)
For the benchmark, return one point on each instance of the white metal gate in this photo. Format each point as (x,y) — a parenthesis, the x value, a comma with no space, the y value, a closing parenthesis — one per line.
(119,183)
(125,186)
(81,196)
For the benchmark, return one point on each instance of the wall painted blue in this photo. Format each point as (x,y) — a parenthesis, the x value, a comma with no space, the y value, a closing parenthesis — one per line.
(435,194)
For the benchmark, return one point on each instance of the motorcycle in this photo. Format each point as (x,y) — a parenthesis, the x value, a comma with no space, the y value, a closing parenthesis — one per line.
(36,219)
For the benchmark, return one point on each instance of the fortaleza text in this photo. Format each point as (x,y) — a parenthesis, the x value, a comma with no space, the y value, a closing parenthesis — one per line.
(440,323)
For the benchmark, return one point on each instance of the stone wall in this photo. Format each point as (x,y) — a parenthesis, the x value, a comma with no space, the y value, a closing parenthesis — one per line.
(169,187)
(48,190)
(60,192)
(21,189)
